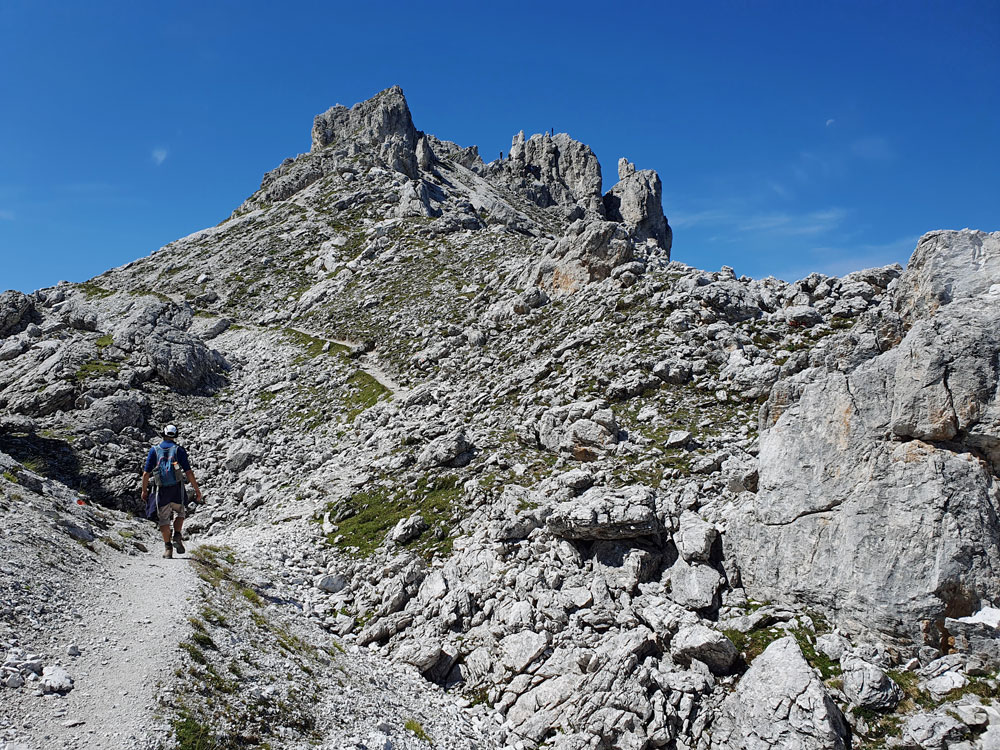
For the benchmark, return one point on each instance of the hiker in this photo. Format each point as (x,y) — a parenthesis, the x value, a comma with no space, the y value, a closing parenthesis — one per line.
(167,464)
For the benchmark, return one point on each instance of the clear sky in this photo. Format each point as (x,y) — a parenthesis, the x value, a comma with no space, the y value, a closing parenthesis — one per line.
(790,136)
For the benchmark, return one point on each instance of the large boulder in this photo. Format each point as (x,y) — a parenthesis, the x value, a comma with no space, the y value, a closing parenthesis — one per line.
(117,412)
(181,360)
(878,496)
(947,267)
(451,449)
(868,686)
(584,430)
(589,251)
(779,702)
(603,513)
(706,645)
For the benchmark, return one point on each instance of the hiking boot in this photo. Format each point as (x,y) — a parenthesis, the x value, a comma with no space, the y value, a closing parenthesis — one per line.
(178,543)
(168,552)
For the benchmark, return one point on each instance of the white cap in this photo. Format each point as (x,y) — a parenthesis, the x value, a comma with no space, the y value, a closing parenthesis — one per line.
(170,431)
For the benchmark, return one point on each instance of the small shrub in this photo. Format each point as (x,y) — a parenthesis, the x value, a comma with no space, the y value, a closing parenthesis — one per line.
(204,640)
(191,734)
(195,653)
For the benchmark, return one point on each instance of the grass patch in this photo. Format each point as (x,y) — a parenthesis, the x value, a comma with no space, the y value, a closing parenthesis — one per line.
(313,345)
(10,477)
(363,392)
(143,292)
(372,513)
(196,654)
(191,734)
(203,640)
(880,727)
(412,725)
(251,596)
(752,643)
(105,341)
(94,291)
(97,368)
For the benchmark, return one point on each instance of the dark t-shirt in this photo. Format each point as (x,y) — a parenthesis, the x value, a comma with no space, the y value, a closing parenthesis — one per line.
(175,492)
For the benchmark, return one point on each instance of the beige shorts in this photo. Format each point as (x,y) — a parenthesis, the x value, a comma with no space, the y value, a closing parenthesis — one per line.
(165,513)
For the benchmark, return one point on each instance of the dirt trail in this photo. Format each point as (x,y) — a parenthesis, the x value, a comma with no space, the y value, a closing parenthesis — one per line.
(129,647)
(364,362)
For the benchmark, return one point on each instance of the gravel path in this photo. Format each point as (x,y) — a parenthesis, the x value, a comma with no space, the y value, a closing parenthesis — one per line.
(128,643)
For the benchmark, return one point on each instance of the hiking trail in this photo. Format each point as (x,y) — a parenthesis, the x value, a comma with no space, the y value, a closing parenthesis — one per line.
(128,642)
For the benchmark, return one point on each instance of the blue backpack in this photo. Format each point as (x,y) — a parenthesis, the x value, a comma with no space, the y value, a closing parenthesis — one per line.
(167,472)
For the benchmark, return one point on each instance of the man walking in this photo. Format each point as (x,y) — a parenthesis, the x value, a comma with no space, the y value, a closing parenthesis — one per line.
(168,465)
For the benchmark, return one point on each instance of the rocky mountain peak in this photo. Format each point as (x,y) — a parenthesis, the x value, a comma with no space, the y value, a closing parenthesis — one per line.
(553,170)
(383,123)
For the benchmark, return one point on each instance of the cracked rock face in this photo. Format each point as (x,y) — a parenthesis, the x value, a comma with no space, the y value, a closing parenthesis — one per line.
(382,123)
(878,495)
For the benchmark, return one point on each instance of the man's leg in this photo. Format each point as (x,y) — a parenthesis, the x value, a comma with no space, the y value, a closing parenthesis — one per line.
(168,551)
(178,538)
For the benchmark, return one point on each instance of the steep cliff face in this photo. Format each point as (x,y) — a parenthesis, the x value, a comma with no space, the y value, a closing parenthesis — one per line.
(471,419)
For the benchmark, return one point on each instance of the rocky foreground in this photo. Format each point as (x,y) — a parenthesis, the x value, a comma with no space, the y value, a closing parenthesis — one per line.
(487,469)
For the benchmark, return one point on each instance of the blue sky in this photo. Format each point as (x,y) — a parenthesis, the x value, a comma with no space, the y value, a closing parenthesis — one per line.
(790,137)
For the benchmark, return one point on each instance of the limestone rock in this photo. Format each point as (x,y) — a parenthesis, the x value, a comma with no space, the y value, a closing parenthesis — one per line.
(552,171)
(803,315)
(332,583)
(181,360)
(868,686)
(694,586)
(695,537)
(602,513)
(780,702)
(117,412)
(948,267)
(453,449)
(56,680)
(937,731)
(706,645)
(908,525)
(589,251)
(408,529)
(583,430)
(518,650)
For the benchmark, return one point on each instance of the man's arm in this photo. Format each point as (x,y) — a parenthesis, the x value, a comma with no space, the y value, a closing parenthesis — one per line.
(194,483)
(145,485)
